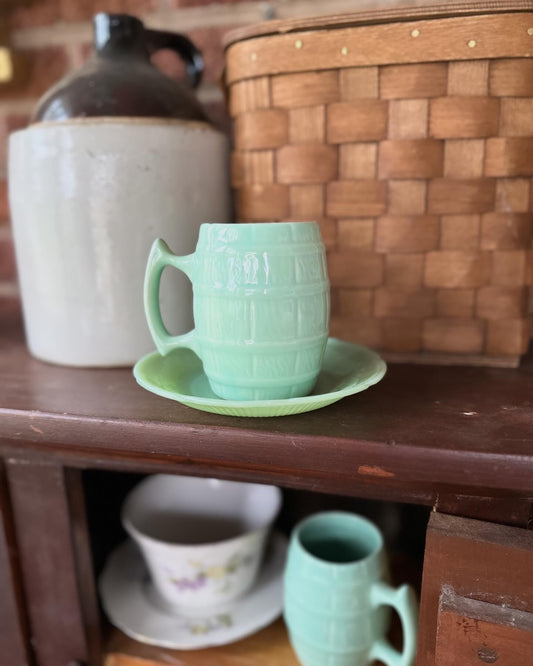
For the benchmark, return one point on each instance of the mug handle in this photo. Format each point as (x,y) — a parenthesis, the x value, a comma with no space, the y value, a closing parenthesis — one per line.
(403,600)
(160,257)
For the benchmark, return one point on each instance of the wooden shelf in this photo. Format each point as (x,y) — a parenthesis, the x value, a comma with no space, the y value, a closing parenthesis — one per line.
(264,648)
(424,434)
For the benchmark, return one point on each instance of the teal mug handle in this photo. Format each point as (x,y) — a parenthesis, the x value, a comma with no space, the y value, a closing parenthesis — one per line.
(403,600)
(160,257)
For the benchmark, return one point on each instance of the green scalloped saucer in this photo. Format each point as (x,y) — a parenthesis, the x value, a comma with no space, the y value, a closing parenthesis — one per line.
(347,369)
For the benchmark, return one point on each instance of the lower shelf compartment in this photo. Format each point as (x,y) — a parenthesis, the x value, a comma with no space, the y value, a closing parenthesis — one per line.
(264,648)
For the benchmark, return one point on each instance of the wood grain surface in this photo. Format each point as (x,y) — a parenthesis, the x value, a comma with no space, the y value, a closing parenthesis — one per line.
(420,433)
(265,648)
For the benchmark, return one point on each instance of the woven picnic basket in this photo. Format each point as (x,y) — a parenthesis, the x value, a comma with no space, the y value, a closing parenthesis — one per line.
(408,134)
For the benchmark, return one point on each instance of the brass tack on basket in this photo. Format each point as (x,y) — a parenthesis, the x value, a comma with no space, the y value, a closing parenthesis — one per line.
(253,56)
(415,33)
(530,31)
(472,43)
(298,43)
(344,50)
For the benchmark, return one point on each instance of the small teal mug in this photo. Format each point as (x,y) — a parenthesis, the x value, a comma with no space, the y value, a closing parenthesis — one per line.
(337,598)
(261,307)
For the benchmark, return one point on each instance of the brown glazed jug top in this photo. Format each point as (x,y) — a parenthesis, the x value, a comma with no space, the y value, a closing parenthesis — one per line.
(120,80)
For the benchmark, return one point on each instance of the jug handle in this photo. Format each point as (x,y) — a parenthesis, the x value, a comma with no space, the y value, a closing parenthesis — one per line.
(194,62)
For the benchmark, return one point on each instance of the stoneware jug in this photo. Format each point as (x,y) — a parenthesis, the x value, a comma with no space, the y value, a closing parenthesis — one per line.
(117,154)
(337,595)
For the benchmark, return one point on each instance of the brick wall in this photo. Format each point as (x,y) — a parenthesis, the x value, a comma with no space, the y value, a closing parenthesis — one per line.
(55,37)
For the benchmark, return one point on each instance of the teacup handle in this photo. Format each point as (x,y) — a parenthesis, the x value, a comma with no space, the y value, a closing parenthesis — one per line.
(160,257)
(403,600)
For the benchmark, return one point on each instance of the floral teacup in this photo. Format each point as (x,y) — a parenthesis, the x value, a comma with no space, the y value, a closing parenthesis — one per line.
(202,539)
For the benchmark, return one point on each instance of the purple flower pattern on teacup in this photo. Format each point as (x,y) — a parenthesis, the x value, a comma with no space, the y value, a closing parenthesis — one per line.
(216,572)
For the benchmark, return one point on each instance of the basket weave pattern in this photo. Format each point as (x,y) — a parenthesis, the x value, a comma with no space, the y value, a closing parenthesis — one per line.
(420,176)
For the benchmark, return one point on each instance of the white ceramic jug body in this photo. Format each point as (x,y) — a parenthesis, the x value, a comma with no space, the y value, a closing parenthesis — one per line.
(87,199)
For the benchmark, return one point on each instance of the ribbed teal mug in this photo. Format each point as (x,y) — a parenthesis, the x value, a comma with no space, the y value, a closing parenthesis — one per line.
(337,598)
(260,303)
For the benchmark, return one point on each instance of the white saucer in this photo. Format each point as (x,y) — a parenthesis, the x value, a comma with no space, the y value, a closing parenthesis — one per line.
(132,604)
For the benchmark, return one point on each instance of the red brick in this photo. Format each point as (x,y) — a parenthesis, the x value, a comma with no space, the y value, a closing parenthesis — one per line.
(390,302)
(3,146)
(28,15)
(16,121)
(10,305)
(45,67)
(453,336)
(170,63)
(209,41)
(7,260)
(79,53)
(79,10)
(401,335)
(529,267)
(4,205)
(417,233)
(217,113)
(355,269)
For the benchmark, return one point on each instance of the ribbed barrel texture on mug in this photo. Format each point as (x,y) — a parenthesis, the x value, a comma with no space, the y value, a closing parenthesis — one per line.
(328,611)
(274,296)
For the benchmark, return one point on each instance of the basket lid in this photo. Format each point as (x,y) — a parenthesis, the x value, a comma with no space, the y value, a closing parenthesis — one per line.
(370,17)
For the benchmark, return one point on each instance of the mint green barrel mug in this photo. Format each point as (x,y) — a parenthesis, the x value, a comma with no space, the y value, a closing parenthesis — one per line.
(261,307)
(337,598)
